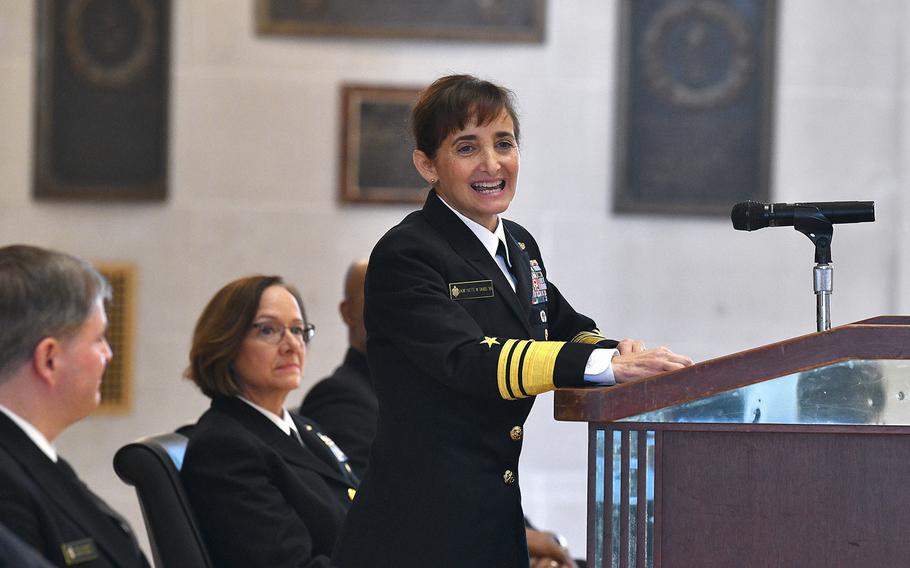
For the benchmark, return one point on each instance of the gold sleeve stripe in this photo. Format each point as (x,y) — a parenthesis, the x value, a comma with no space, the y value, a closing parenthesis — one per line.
(538,366)
(502,370)
(589,337)
(526,367)
(515,369)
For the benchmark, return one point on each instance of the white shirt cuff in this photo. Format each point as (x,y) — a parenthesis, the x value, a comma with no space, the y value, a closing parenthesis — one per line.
(599,369)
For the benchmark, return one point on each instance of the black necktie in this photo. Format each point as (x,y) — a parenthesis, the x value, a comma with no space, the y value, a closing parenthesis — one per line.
(501,251)
(295,435)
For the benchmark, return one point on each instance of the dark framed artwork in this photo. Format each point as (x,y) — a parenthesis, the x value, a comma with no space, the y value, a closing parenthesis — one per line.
(487,20)
(695,105)
(376,147)
(117,380)
(102,99)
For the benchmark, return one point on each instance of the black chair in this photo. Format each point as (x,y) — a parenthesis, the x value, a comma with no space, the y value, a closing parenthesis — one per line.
(152,465)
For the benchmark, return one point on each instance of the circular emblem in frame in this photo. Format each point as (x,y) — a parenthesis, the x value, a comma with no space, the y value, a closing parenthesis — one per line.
(697,53)
(110,43)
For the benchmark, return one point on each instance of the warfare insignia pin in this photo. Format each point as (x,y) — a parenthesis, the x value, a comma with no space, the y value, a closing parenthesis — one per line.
(490,341)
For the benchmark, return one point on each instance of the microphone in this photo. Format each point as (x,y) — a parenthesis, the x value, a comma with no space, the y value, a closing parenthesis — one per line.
(752,215)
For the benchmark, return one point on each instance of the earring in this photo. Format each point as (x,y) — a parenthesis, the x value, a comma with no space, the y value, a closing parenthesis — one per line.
(433,181)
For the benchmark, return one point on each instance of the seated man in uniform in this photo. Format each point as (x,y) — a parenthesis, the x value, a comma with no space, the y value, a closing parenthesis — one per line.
(52,355)
(344,404)
(16,554)
(346,408)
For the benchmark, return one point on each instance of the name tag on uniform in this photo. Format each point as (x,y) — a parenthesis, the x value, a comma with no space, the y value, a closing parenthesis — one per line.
(79,551)
(471,290)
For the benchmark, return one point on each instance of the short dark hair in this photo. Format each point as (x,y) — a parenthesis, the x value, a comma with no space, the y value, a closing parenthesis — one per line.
(221,328)
(451,102)
(43,293)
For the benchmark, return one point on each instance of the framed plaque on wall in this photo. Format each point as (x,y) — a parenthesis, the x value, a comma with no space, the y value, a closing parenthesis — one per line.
(695,105)
(117,380)
(376,146)
(484,20)
(102,99)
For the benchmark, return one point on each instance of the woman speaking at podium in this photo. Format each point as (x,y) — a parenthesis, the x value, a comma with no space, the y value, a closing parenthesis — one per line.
(463,329)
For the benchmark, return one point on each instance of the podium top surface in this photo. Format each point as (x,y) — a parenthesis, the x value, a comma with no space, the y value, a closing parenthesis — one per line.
(849,375)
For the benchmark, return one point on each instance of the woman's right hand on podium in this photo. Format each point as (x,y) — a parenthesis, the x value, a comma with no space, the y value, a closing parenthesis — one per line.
(633,361)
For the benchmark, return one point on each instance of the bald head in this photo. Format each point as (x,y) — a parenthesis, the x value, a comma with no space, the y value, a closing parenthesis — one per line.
(351,307)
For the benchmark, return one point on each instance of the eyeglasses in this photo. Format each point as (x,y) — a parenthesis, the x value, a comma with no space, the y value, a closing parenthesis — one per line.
(273,333)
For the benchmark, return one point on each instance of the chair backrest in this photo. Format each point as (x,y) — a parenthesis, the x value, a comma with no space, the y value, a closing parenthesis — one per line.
(152,465)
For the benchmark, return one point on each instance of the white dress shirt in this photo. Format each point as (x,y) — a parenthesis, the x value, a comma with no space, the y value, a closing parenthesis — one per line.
(284,422)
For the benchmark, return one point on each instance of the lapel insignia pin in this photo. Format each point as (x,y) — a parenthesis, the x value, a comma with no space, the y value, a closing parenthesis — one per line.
(521,245)
(489,341)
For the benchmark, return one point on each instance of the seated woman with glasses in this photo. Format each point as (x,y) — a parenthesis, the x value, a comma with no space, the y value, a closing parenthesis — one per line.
(267,488)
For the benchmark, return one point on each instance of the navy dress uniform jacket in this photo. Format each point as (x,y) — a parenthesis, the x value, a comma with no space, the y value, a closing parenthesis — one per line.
(49,508)
(260,497)
(14,553)
(456,358)
(345,407)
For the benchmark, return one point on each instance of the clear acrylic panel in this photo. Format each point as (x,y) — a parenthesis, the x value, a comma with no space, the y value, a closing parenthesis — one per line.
(854,392)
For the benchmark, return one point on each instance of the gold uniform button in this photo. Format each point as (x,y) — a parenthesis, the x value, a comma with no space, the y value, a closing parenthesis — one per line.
(515,433)
(508,477)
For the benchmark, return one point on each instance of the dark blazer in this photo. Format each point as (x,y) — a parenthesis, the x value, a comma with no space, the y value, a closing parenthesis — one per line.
(345,407)
(14,553)
(46,505)
(260,497)
(455,374)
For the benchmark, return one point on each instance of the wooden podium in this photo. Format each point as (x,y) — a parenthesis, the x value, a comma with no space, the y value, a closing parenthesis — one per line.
(795,454)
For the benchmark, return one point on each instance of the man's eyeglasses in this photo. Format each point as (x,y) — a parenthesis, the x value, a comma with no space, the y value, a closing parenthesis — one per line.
(273,333)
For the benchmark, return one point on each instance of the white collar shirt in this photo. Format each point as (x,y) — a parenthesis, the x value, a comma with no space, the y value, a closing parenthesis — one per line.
(490,241)
(283,422)
(33,433)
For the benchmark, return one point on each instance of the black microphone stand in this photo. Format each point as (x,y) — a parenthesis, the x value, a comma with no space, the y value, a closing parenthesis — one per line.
(812,223)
